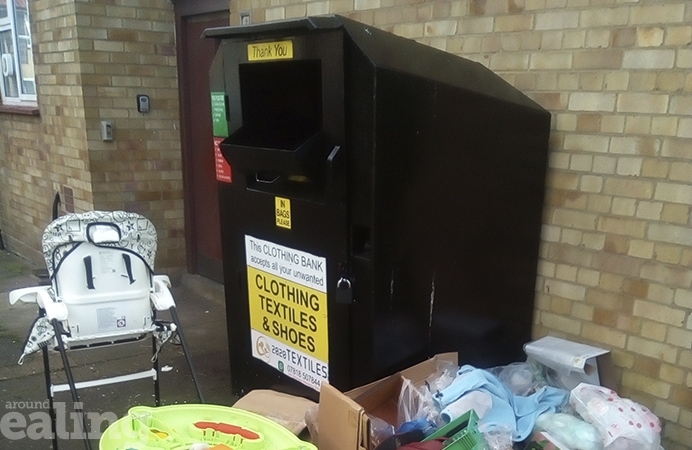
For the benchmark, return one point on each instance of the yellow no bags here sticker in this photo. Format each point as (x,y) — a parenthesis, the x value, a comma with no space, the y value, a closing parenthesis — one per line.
(267,51)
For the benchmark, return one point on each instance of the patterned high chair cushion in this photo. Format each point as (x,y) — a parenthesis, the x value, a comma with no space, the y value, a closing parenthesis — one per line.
(64,234)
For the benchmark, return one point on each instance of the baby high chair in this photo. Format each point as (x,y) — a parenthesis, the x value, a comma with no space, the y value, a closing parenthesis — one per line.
(102,292)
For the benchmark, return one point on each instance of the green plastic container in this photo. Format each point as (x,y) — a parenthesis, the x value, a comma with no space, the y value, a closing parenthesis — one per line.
(179,427)
(461,433)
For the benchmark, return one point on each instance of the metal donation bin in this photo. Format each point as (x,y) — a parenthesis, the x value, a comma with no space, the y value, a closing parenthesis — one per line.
(380,202)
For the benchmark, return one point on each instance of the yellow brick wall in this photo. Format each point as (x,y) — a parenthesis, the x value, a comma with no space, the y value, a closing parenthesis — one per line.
(92,59)
(26,193)
(127,48)
(48,153)
(616,256)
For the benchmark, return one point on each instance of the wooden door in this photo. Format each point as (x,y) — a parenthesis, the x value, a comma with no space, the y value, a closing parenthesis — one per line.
(202,229)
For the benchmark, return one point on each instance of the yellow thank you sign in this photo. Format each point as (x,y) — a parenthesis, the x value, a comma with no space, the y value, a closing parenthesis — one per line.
(268,51)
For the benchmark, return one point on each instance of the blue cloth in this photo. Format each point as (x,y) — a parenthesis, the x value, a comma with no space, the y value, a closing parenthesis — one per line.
(421,424)
(519,413)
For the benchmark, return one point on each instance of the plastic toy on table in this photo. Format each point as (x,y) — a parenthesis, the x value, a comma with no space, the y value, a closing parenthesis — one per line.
(197,427)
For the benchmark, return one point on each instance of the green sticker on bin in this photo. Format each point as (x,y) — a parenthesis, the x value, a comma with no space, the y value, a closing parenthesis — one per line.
(218,114)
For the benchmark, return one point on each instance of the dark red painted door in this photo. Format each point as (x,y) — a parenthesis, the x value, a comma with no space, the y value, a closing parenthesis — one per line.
(203,237)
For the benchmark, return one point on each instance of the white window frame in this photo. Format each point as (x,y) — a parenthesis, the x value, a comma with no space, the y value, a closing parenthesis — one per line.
(8,24)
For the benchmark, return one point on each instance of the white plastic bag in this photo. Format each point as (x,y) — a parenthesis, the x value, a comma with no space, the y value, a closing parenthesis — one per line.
(574,432)
(624,424)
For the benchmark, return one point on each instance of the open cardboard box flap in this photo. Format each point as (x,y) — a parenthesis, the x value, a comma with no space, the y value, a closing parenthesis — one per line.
(343,417)
(341,421)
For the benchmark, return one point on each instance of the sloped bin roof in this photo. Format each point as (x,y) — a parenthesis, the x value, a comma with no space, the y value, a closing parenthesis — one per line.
(391,52)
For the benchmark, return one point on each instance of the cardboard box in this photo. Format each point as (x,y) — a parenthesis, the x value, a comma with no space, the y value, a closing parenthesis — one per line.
(343,417)
(573,362)
(284,409)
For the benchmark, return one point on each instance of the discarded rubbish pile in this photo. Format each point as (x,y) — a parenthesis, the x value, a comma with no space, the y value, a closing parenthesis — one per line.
(524,405)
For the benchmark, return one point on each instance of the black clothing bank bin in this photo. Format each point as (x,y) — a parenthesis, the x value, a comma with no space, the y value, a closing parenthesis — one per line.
(383,204)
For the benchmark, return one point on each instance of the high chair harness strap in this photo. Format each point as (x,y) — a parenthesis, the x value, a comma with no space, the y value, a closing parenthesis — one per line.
(89,272)
(128,266)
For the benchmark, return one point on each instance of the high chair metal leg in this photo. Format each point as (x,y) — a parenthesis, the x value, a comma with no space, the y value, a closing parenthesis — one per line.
(49,396)
(49,389)
(155,363)
(70,380)
(179,330)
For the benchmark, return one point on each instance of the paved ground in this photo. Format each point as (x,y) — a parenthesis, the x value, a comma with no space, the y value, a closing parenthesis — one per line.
(23,389)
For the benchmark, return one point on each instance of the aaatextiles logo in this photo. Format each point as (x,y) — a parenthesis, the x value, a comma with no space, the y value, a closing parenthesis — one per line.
(31,420)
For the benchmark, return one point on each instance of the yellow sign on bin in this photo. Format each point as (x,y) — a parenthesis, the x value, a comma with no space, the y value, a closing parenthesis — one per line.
(282,209)
(268,51)
(288,310)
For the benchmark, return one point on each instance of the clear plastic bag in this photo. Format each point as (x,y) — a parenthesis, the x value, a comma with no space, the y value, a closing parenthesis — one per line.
(444,375)
(498,438)
(416,402)
(525,378)
(518,377)
(379,430)
(623,423)
(570,430)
